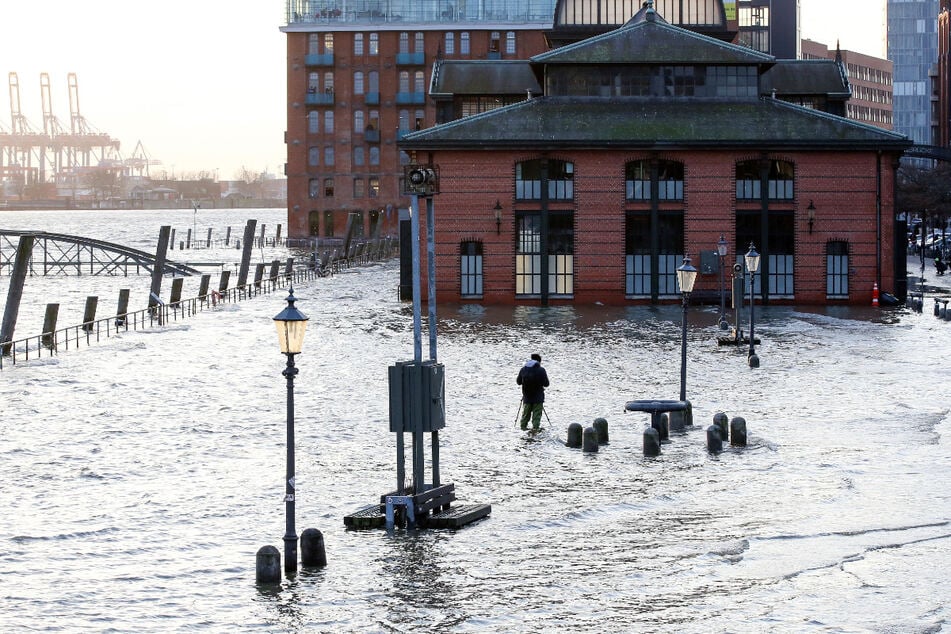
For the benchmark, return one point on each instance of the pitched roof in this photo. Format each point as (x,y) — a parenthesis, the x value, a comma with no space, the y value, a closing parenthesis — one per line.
(651,40)
(806,77)
(644,122)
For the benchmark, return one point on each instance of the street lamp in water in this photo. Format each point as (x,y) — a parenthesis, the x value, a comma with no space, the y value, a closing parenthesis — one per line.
(290,324)
(752,265)
(686,276)
(721,251)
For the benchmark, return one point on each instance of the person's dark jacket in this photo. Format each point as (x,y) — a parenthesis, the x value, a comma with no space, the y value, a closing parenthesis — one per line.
(533,379)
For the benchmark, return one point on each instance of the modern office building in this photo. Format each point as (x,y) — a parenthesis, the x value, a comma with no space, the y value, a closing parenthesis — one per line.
(870,81)
(913,49)
(770,26)
(648,144)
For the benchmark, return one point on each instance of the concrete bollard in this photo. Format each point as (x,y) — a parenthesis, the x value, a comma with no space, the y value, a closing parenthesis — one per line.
(589,443)
(601,426)
(947,313)
(676,421)
(738,431)
(714,440)
(942,311)
(574,435)
(268,565)
(753,360)
(723,422)
(937,309)
(312,553)
(662,425)
(651,442)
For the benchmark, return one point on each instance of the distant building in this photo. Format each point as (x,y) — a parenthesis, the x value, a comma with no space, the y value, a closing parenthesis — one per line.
(941,89)
(870,80)
(649,143)
(913,49)
(770,26)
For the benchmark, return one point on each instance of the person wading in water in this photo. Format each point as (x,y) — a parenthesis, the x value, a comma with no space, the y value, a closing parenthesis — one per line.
(533,379)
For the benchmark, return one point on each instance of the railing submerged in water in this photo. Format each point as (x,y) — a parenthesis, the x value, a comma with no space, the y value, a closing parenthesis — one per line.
(33,347)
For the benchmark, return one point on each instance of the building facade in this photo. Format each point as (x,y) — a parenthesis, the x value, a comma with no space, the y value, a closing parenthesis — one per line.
(913,49)
(770,26)
(870,79)
(649,143)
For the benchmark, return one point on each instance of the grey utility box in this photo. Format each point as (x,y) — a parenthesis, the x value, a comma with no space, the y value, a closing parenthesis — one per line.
(417,396)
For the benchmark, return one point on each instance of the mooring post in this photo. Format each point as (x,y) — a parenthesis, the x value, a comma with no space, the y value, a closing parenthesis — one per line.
(651,442)
(246,253)
(158,269)
(175,297)
(601,426)
(575,434)
(714,440)
(223,282)
(203,287)
(738,431)
(258,274)
(188,239)
(208,241)
(722,421)
(267,568)
(947,313)
(275,270)
(263,242)
(49,326)
(289,269)
(171,239)
(228,236)
(589,440)
(277,236)
(312,553)
(15,292)
(123,308)
(89,314)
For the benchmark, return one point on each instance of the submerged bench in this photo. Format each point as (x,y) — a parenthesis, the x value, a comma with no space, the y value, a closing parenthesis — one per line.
(428,509)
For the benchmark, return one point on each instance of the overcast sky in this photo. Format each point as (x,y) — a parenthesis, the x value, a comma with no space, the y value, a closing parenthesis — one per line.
(201,83)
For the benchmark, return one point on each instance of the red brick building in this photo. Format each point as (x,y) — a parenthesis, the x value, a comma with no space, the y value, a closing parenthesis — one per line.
(649,143)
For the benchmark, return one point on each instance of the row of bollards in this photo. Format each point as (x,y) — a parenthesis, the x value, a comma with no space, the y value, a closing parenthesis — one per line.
(589,439)
(312,555)
(942,312)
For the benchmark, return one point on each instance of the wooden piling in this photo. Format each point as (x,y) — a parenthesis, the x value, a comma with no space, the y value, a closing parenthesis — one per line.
(158,268)
(175,297)
(277,236)
(246,253)
(203,286)
(258,274)
(49,326)
(188,239)
(89,314)
(208,241)
(228,237)
(275,270)
(15,292)
(123,309)
(224,281)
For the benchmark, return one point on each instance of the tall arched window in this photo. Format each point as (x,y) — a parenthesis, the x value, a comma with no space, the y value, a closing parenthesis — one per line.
(313,82)
(373,81)
(404,81)
(404,43)
(449,43)
(359,124)
(358,82)
(510,43)
(419,45)
(358,44)
(780,180)
(419,81)
(374,43)
(313,122)
(313,156)
(313,44)
(359,156)
(328,43)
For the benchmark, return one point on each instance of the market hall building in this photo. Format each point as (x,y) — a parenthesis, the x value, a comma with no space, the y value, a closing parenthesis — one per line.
(648,143)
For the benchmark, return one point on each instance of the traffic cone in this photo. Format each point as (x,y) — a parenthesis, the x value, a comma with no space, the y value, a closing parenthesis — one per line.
(875,294)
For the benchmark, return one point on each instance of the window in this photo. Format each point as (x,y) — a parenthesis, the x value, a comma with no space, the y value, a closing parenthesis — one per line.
(373,81)
(329,155)
(494,39)
(780,181)
(648,274)
(419,43)
(373,186)
(328,121)
(404,81)
(374,43)
(464,43)
(314,188)
(313,156)
(529,177)
(313,44)
(328,83)
(358,82)
(404,157)
(528,247)
(329,187)
(777,262)
(359,124)
(374,155)
(449,43)
(313,221)
(470,269)
(313,122)
(355,219)
(374,120)
(328,42)
(358,188)
(359,156)
(404,120)
(358,44)
(561,247)
(837,269)
(419,81)
(747,180)
(670,180)
(313,82)
(510,43)
(419,120)
(328,224)
(404,43)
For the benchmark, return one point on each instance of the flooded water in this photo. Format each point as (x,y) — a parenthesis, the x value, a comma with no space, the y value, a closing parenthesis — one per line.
(139,476)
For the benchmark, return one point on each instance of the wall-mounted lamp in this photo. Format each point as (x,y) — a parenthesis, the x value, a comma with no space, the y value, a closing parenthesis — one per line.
(811,209)
(498,217)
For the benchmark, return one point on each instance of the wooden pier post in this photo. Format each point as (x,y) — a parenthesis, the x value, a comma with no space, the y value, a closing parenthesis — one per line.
(158,269)
(188,239)
(275,271)
(123,308)
(175,297)
(208,241)
(289,268)
(228,237)
(203,287)
(246,253)
(277,236)
(258,274)
(223,282)
(49,326)
(171,241)
(15,292)
(262,241)
(89,314)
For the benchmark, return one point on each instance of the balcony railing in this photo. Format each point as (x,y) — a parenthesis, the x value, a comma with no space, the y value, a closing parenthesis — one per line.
(319,99)
(410,98)
(319,59)
(410,59)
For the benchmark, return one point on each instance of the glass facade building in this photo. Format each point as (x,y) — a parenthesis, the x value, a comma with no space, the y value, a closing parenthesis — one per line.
(913,48)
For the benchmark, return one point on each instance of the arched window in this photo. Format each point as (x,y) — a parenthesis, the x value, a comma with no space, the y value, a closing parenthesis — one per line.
(328,42)
(419,120)
(374,155)
(781,180)
(313,221)
(358,82)
(510,43)
(328,82)
(314,188)
(313,44)
(419,81)
(747,180)
(404,81)
(419,45)
(374,43)
(313,122)
(373,81)
(329,155)
(449,43)
(359,124)
(358,43)
(328,121)
(313,82)
(359,156)
(670,180)
(404,43)
(404,120)
(313,156)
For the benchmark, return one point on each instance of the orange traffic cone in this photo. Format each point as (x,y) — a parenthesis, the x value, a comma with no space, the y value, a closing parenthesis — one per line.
(875,294)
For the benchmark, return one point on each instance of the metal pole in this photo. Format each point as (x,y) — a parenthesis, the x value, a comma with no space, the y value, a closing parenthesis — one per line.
(683,349)
(290,532)
(722,322)
(752,303)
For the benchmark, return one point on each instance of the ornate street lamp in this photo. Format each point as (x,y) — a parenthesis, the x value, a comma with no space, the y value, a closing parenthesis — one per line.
(686,276)
(721,251)
(290,324)
(752,265)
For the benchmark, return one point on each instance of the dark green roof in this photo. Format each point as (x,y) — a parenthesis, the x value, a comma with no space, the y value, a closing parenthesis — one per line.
(806,77)
(652,41)
(590,122)
(484,77)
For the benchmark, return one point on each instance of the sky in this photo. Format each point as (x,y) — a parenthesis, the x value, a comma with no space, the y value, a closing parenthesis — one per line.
(201,83)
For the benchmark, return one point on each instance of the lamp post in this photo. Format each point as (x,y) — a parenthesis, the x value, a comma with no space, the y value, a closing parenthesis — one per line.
(752,265)
(686,276)
(290,324)
(721,251)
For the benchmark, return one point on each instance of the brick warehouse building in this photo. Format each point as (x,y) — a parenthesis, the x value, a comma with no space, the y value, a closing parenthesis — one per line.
(650,142)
